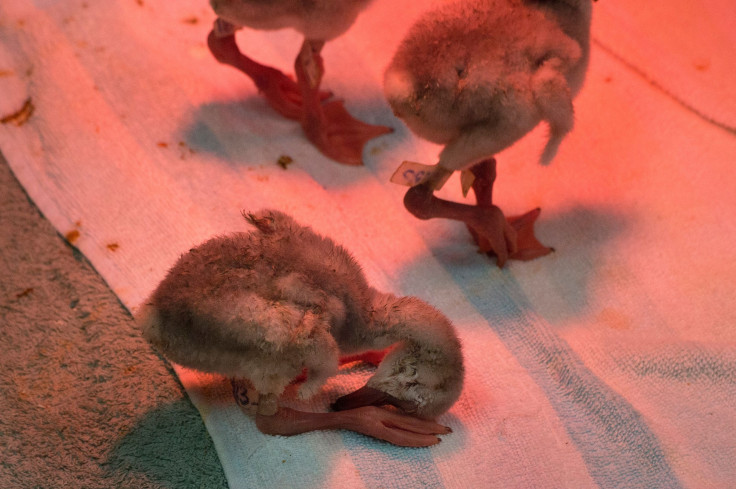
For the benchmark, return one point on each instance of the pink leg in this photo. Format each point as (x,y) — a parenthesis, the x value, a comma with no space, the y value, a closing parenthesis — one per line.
(371,357)
(528,246)
(393,427)
(281,92)
(487,222)
(330,127)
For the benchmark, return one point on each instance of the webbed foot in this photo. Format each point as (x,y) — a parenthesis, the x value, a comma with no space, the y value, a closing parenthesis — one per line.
(391,426)
(521,243)
(528,246)
(337,134)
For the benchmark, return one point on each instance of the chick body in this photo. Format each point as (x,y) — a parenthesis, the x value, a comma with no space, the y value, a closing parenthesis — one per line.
(315,19)
(478,75)
(265,305)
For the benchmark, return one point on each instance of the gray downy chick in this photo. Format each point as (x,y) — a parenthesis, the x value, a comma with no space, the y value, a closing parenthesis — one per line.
(267,304)
(475,76)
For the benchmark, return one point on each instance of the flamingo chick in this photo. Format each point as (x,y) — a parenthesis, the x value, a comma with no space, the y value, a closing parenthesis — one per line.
(328,126)
(266,305)
(476,76)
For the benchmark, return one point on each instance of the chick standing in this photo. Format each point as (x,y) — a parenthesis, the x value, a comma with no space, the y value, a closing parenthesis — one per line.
(266,305)
(476,76)
(328,126)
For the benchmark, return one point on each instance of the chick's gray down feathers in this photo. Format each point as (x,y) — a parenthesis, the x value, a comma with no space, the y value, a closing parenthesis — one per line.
(477,75)
(266,304)
(315,19)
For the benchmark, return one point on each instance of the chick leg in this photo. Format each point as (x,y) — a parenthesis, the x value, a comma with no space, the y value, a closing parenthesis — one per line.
(371,357)
(266,405)
(393,427)
(281,92)
(488,222)
(330,127)
(528,246)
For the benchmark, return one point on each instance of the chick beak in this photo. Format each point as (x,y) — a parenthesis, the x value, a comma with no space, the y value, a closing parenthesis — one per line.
(368,396)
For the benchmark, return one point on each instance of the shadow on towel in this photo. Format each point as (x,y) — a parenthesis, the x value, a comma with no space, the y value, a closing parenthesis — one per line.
(249,133)
(171,446)
(599,420)
(239,131)
(580,235)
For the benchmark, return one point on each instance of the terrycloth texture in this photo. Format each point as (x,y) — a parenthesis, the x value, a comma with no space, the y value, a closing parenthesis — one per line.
(84,402)
(611,363)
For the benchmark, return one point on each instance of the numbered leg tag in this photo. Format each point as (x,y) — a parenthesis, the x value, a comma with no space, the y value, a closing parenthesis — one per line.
(411,173)
(245,397)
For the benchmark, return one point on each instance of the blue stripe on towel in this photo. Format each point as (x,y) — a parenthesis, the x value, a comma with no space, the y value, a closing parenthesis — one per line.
(603,425)
(378,462)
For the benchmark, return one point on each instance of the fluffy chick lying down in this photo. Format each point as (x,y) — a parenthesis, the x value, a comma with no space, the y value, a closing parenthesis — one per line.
(266,305)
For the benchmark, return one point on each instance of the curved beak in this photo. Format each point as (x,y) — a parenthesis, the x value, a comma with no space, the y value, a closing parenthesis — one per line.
(369,396)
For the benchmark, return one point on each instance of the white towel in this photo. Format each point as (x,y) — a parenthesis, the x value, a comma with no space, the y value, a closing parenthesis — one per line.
(610,363)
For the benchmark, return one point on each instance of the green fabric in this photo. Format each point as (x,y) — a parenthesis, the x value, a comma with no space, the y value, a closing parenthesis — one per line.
(84,401)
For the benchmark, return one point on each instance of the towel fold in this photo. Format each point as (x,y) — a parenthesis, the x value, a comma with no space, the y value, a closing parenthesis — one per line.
(610,363)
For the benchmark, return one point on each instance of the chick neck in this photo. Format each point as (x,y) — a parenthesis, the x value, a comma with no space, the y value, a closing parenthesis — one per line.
(393,319)
(425,367)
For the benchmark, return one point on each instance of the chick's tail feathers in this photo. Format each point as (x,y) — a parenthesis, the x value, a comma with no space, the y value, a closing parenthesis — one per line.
(553,98)
(267,220)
